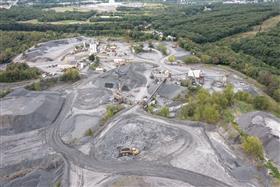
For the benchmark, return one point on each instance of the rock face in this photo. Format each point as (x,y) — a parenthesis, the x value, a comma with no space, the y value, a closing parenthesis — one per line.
(25,111)
(267,128)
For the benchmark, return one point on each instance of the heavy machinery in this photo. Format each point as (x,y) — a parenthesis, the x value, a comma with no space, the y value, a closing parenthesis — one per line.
(129,151)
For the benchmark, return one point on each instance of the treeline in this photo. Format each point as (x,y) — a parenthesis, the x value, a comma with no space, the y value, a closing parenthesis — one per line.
(29,13)
(18,72)
(265,46)
(78,28)
(209,26)
(13,43)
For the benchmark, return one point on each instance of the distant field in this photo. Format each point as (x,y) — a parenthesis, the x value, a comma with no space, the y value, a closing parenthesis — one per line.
(63,22)
(69,8)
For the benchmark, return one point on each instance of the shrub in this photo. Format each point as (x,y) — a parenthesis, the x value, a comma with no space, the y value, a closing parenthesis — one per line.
(228,116)
(4,92)
(244,96)
(261,103)
(18,72)
(229,95)
(186,83)
(276,94)
(203,96)
(163,49)
(150,108)
(191,60)
(70,74)
(172,58)
(151,45)
(58,184)
(91,57)
(253,146)
(89,132)
(220,100)
(205,59)
(94,65)
(36,86)
(138,48)
(164,111)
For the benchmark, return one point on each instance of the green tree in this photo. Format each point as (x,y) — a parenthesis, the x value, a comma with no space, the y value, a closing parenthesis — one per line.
(164,111)
(188,111)
(207,113)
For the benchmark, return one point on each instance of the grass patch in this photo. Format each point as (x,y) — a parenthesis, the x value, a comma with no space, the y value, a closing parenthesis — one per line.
(243,107)
(163,49)
(43,84)
(69,8)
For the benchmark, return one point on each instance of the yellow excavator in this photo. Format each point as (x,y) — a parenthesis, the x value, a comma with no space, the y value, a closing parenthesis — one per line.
(129,151)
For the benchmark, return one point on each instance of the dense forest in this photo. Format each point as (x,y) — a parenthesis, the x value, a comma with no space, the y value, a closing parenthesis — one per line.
(265,46)
(29,13)
(211,25)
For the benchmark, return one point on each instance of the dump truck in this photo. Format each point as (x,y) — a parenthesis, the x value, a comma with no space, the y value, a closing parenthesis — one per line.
(129,152)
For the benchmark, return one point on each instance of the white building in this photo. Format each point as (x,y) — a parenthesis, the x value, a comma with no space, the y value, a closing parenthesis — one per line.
(195,73)
(93,48)
(119,61)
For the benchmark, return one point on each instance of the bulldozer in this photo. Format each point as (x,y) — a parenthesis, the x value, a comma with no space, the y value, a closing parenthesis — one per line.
(129,151)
